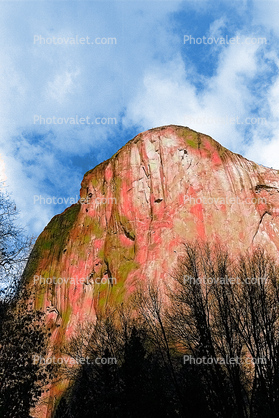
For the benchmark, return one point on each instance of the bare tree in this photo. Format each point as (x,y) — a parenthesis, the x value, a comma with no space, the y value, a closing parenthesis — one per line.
(149,304)
(228,308)
(256,316)
(15,246)
(190,321)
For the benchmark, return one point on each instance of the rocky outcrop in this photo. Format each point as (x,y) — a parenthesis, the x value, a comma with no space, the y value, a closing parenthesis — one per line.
(166,186)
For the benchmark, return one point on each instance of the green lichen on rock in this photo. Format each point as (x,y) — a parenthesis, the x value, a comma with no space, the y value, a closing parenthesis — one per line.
(126,225)
(117,182)
(46,245)
(126,268)
(57,231)
(113,249)
(95,181)
(192,143)
(34,259)
(101,253)
(92,227)
(40,295)
(86,239)
(66,316)
(97,229)
(45,274)
(195,140)
(120,261)
(191,137)
(52,240)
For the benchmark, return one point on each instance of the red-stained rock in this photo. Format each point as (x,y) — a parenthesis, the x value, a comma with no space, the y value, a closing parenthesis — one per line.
(154,194)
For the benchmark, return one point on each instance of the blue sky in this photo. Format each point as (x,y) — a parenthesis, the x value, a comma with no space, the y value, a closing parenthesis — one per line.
(147,76)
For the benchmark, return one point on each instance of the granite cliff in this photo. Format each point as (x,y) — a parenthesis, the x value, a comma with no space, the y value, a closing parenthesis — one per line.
(166,186)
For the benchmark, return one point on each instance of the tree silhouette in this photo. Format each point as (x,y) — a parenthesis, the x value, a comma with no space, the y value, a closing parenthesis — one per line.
(22,336)
(213,311)
(15,246)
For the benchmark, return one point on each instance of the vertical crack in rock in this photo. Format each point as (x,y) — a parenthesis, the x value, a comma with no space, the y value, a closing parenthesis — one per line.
(189,165)
(108,271)
(162,174)
(128,234)
(265,213)
(147,175)
(199,142)
(151,209)
(143,166)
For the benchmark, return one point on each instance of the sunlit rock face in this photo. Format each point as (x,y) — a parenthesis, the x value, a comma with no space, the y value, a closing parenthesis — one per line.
(166,186)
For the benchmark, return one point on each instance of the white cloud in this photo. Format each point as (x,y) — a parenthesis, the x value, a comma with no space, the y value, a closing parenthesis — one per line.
(146,75)
(62,85)
(265,144)
(215,29)
(169,96)
(266,15)
(65,81)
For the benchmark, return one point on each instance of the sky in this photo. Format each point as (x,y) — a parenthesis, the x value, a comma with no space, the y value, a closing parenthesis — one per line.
(78,79)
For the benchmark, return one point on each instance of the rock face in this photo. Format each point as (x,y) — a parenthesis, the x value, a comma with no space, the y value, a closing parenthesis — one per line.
(164,187)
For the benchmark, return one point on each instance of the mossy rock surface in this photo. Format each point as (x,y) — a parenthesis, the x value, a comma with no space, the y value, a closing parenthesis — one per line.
(52,240)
